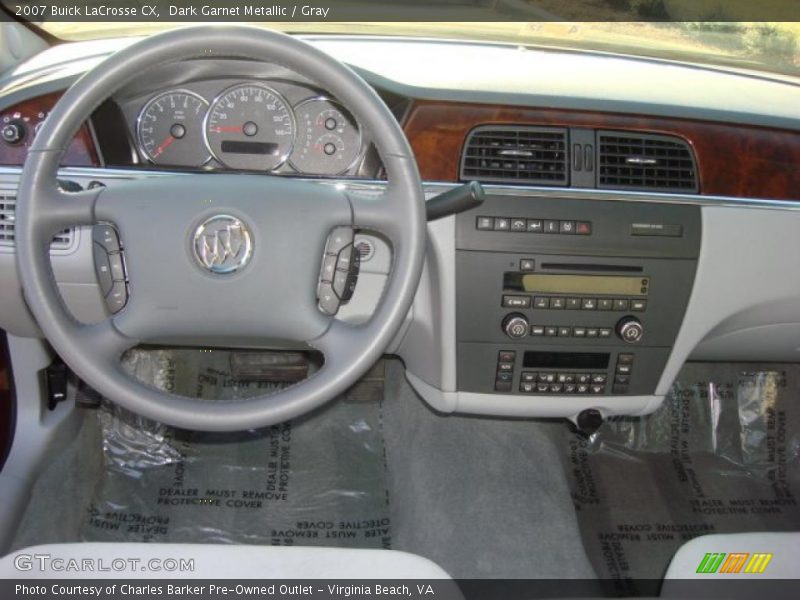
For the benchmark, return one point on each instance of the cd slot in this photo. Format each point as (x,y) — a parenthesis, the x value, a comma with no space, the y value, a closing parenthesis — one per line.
(591,268)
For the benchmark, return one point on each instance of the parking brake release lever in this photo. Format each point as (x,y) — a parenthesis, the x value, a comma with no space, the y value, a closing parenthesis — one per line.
(455,201)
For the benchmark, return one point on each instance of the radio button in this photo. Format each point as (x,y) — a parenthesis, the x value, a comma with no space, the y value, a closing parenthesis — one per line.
(605,304)
(537,330)
(579,331)
(630,330)
(589,304)
(558,303)
(518,225)
(564,332)
(605,332)
(592,332)
(526,264)
(516,301)
(484,223)
(515,325)
(541,302)
(638,305)
(551,331)
(535,226)
(620,304)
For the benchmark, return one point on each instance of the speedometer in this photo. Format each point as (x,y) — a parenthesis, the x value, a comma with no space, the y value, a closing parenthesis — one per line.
(250,126)
(170,129)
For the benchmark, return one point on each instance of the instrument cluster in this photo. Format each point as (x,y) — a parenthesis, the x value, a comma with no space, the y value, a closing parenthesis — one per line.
(249,125)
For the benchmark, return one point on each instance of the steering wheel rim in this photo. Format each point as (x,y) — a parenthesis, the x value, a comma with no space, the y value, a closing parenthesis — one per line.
(93,351)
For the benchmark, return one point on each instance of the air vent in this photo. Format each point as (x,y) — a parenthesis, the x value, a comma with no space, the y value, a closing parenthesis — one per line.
(8,202)
(645,162)
(531,155)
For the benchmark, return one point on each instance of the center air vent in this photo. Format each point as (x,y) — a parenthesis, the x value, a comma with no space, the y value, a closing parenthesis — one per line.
(8,201)
(531,155)
(637,161)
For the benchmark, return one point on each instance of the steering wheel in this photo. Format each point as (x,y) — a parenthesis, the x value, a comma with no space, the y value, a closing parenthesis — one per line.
(284,223)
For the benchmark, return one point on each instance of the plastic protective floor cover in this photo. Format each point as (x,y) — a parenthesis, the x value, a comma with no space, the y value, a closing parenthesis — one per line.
(315,481)
(721,455)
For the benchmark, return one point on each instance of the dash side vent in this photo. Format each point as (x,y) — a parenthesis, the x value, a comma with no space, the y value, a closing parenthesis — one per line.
(8,201)
(509,154)
(640,161)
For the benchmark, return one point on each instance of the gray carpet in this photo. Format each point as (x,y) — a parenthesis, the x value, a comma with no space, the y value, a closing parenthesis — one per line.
(483,498)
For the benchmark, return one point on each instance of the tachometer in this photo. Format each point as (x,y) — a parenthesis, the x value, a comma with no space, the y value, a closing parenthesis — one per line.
(328,139)
(250,126)
(170,129)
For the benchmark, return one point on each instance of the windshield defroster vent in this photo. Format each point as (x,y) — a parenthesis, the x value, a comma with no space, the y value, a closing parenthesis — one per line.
(532,155)
(635,161)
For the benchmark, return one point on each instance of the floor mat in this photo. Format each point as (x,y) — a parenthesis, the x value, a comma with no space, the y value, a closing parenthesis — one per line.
(721,455)
(319,480)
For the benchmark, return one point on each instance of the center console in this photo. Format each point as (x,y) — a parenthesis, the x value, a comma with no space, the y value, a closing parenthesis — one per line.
(570,297)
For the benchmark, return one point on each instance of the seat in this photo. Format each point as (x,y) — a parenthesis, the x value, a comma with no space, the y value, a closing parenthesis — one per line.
(212,561)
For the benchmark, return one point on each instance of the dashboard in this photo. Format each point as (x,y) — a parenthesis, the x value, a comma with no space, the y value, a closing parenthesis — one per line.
(245,124)
(527,305)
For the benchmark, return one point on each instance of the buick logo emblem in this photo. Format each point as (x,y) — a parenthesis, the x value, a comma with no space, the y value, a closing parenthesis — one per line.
(222,244)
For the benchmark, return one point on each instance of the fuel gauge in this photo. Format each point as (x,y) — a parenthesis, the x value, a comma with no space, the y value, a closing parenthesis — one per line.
(328,138)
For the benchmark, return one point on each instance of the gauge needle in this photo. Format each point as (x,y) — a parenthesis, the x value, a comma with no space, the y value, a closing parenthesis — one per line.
(164,145)
(227,128)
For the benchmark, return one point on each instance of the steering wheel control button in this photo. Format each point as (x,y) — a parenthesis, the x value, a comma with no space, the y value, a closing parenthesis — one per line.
(109,265)
(107,237)
(222,245)
(118,297)
(102,268)
(339,273)
(630,330)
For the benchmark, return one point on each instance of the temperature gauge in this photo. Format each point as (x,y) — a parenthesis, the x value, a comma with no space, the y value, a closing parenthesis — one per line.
(328,139)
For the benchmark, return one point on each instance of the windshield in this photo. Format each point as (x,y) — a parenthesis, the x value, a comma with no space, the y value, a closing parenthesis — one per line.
(762,46)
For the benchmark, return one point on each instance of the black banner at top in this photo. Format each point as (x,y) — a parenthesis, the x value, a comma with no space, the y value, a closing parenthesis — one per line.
(401,11)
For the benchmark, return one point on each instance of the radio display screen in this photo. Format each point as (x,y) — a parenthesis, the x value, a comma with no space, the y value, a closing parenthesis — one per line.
(618,285)
(565,360)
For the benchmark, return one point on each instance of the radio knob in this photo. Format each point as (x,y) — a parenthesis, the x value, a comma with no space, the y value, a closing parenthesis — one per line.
(515,325)
(630,330)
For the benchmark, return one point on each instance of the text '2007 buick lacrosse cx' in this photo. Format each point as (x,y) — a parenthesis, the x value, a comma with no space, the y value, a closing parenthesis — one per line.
(476,307)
